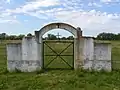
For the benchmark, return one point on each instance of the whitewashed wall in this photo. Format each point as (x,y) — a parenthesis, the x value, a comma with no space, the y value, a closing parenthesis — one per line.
(26,56)
(14,55)
(102,56)
(30,55)
(88,52)
(96,56)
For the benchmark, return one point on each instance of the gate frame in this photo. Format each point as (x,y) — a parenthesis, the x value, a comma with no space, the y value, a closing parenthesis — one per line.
(78,51)
(59,54)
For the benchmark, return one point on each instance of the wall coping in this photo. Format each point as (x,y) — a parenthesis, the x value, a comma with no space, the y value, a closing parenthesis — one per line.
(102,43)
(14,43)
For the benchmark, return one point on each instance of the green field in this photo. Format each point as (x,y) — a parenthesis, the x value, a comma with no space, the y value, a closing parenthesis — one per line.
(61,79)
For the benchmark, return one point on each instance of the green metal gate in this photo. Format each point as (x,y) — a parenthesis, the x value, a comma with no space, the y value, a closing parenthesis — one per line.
(58,54)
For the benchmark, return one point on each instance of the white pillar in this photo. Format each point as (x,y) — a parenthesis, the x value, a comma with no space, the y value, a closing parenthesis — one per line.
(88,52)
(30,55)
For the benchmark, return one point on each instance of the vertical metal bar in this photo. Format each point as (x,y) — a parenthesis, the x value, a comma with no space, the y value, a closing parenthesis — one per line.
(43,54)
(73,55)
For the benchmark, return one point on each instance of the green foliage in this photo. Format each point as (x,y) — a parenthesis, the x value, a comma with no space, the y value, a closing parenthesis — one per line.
(40,71)
(70,38)
(54,37)
(4,36)
(51,37)
(108,36)
(17,70)
(29,34)
(100,36)
(20,37)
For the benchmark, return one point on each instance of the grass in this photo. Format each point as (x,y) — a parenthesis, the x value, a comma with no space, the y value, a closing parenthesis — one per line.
(61,79)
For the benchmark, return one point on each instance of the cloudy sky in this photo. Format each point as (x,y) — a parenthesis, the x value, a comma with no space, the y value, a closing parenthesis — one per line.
(93,16)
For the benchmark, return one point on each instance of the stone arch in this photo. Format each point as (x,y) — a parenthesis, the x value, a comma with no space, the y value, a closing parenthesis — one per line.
(75,31)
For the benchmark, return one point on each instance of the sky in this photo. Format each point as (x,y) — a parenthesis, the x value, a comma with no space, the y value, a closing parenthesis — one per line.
(92,16)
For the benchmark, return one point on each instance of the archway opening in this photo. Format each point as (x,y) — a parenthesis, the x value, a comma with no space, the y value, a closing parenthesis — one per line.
(58,49)
(58,34)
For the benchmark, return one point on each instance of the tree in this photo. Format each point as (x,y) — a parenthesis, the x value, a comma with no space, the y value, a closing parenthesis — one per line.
(107,36)
(70,38)
(51,37)
(118,36)
(3,36)
(63,38)
(29,34)
(13,37)
(20,37)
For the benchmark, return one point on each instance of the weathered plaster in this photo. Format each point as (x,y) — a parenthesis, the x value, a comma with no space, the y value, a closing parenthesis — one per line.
(102,56)
(28,56)
(14,53)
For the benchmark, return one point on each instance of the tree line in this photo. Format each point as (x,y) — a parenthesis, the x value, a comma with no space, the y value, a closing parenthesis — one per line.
(108,36)
(4,36)
(101,36)
(54,37)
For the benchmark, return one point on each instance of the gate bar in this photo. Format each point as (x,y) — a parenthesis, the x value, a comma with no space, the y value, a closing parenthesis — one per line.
(60,41)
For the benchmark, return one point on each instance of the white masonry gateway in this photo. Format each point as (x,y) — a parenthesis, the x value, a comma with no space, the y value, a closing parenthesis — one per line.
(28,55)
